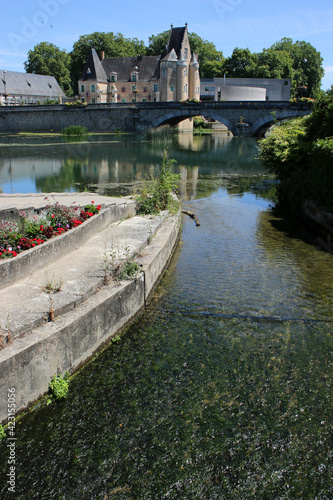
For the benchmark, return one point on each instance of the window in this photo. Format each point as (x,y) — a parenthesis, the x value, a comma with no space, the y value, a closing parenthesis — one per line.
(112,78)
(133,87)
(196,75)
(185,72)
(123,100)
(206,89)
(83,99)
(186,53)
(93,100)
(92,88)
(133,100)
(155,87)
(212,89)
(171,88)
(82,88)
(144,99)
(145,89)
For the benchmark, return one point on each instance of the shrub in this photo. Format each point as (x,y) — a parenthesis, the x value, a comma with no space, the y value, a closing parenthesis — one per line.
(74,130)
(300,154)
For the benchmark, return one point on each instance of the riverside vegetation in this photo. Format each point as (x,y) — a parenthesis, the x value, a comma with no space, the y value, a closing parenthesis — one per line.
(156,193)
(300,154)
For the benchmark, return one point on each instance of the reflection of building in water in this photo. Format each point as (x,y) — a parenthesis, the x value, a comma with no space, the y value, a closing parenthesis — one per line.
(188,183)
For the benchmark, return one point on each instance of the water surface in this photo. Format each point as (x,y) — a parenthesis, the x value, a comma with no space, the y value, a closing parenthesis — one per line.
(222,389)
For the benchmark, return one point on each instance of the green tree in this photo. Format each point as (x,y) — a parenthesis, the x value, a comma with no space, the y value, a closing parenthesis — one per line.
(113,46)
(210,59)
(274,64)
(241,64)
(47,59)
(307,66)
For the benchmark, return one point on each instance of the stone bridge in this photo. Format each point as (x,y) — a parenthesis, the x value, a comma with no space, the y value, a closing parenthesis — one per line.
(241,118)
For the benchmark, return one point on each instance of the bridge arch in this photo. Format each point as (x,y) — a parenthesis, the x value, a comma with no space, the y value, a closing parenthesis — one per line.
(174,117)
(262,124)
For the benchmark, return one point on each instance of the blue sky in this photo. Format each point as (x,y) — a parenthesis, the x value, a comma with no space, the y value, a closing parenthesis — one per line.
(254,24)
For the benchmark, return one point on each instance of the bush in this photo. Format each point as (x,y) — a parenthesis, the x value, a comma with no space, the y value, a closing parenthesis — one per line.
(300,154)
(74,130)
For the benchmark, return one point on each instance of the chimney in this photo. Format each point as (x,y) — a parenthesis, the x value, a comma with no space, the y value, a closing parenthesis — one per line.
(102,55)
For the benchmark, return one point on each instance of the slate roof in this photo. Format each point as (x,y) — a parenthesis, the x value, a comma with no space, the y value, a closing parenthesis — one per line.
(93,69)
(29,84)
(175,41)
(148,67)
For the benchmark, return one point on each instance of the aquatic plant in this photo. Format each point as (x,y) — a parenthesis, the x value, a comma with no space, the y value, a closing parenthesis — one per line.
(74,130)
(165,133)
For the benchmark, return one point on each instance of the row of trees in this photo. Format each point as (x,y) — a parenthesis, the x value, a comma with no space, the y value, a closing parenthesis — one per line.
(299,61)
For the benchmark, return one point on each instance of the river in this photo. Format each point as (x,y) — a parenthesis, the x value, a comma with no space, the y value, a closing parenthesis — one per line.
(223,388)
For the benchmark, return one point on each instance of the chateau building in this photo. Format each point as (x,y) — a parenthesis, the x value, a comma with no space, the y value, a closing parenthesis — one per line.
(171,76)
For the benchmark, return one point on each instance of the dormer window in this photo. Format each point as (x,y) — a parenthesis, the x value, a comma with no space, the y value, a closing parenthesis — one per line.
(113,76)
(135,75)
(88,71)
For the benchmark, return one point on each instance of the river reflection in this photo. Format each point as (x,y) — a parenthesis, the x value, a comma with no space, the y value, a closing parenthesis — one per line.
(37,164)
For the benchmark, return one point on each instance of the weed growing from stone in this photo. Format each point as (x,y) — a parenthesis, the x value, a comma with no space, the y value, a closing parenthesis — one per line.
(2,433)
(58,388)
(156,194)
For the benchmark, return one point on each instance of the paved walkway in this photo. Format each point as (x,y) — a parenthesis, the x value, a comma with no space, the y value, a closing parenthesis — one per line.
(38,201)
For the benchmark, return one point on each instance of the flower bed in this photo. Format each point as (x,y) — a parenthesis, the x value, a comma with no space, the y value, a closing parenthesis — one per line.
(54,220)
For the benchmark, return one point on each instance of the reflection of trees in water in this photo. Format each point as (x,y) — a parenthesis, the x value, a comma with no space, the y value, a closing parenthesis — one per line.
(68,176)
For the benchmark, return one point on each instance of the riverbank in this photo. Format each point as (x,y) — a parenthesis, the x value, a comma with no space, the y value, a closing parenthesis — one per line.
(53,333)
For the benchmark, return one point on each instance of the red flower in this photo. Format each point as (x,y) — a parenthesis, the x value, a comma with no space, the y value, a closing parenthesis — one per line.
(92,202)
